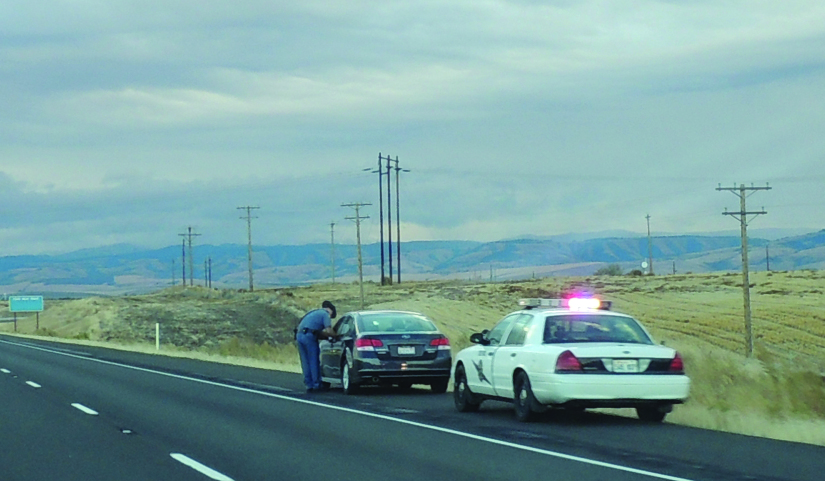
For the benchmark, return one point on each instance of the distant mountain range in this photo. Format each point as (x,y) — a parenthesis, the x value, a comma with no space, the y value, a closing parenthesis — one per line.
(122,268)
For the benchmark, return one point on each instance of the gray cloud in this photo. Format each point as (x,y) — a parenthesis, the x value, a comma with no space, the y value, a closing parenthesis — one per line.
(128,122)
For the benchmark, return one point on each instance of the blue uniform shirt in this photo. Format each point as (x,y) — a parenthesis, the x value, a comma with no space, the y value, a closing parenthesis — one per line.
(316,320)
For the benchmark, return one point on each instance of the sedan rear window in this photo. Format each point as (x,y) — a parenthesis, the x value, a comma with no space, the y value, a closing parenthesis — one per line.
(593,328)
(395,322)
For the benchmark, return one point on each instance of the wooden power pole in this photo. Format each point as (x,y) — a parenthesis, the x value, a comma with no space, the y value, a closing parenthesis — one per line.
(742,217)
(249,218)
(358,220)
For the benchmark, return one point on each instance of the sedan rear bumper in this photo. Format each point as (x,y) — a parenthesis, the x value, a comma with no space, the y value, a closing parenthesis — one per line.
(375,371)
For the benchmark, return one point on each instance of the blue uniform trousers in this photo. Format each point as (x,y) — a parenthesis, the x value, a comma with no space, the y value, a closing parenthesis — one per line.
(310,359)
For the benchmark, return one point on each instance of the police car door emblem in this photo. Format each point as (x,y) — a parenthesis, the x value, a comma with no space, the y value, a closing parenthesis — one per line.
(480,369)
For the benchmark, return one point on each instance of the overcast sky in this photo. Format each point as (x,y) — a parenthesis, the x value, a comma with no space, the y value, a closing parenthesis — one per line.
(129,121)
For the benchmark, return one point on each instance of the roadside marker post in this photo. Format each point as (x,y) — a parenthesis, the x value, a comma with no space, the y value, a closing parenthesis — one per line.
(26,304)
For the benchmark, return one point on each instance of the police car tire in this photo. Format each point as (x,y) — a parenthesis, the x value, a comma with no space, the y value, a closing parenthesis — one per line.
(465,401)
(523,400)
(349,387)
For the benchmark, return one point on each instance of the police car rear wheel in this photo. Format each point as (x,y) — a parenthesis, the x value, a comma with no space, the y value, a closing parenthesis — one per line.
(650,414)
(464,399)
(524,400)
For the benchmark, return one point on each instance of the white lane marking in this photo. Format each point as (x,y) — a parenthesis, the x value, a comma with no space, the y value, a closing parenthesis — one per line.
(33,384)
(200,467)
(5,371)
(86,410)
(475,437)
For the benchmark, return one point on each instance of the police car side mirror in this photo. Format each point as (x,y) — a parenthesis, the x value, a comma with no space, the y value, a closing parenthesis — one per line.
(478,338)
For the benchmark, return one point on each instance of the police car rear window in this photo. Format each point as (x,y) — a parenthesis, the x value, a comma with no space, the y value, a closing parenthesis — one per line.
(579,328)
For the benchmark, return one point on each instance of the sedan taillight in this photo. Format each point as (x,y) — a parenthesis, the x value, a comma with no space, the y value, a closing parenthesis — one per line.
(568,362)
(676,365)
(442,343)
(367,344)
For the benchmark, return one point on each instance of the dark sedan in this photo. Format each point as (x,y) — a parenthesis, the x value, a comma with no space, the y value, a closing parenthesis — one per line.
(386,348)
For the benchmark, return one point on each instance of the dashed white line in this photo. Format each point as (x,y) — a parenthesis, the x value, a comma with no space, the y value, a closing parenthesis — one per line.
(5,371)
(200,467)
(555,454)
(33,384)
(89,411)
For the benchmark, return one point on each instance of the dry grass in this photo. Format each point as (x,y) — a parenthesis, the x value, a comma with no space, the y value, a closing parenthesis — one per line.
(779,394)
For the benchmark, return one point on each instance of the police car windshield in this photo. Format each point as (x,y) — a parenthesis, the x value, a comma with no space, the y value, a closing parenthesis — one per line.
(579,328)
(394,322)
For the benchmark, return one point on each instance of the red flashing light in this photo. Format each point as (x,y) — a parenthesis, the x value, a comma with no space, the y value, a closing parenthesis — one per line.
(567,362)
(676,365)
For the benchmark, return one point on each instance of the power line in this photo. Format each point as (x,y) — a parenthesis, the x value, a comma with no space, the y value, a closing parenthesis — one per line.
(249,218)
(742,217)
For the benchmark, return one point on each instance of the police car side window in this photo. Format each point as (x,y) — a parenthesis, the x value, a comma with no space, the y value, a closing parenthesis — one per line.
(497,333)
(519,331)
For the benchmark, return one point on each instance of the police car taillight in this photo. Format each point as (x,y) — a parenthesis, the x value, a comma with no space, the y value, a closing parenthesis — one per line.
(568,362)
(441,343)
(367,344)
(676,365)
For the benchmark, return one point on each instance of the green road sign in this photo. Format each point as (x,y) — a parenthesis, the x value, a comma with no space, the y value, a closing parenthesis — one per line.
(26,303)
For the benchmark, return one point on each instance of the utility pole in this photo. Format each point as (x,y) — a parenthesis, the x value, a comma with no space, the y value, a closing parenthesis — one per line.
(398,218)
(249,218)
(189,235)
(358,220)
(206,272)
(173,272)
(674,267)
(389,221)
(742,217)
(210,272)
(183,260)
(649,248)
(380,172)
(767,259)
(332,248)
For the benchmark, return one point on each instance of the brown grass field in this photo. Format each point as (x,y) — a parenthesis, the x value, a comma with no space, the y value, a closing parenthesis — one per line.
(778,393)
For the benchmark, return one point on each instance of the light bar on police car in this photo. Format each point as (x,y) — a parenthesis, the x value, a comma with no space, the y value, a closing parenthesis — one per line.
(573,303)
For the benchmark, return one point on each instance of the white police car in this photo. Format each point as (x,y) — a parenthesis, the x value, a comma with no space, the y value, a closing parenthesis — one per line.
(569,353)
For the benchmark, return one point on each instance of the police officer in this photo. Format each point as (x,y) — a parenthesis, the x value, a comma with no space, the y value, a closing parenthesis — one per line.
(316,324)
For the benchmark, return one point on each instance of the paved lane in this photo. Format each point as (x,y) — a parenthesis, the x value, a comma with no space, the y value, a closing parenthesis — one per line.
(244,423)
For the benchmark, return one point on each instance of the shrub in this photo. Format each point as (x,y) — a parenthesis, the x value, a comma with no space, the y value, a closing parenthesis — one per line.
(610,270)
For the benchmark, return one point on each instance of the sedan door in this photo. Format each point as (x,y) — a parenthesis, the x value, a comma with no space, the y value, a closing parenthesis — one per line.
(331,351)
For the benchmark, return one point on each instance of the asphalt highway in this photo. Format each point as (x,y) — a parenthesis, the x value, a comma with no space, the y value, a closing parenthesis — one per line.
(81,413)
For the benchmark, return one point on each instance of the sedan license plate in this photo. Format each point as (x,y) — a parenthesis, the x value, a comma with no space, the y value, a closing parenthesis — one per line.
(406,350)
(625,365)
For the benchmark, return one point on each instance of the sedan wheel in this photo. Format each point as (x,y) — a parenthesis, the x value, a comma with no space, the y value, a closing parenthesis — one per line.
(465,400)
(347,384)
(524,400)
(440,387)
